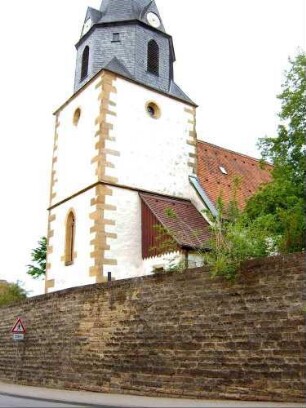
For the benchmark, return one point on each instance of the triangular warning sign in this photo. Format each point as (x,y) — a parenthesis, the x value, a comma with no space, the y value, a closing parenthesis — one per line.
(18,327)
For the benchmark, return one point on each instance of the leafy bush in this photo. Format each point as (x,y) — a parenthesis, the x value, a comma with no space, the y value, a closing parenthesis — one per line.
(11,292)
(232,242)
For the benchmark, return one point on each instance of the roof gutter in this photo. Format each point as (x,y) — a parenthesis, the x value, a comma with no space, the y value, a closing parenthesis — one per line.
(194,181)
(195,248)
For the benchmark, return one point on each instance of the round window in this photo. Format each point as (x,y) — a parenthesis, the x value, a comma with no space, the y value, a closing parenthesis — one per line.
(153,110)
(76,116)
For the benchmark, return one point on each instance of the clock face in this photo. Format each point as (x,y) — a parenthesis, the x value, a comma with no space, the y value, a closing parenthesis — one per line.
(153,20)
(86,26)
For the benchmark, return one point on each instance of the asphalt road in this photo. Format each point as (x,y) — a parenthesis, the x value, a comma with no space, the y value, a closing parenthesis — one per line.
(7,401)
(18,396)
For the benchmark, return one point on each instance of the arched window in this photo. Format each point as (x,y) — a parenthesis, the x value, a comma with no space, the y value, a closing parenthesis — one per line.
(70,234)
(85,62)
(153,57)
(76,116)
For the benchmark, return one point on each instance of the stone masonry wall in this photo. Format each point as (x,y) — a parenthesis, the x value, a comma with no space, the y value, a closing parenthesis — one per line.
(168,335)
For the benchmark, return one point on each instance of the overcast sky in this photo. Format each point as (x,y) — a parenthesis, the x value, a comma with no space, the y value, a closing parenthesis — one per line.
(231,55)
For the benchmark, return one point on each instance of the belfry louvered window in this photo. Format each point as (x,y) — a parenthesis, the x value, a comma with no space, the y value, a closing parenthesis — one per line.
(85,62)
(153,57)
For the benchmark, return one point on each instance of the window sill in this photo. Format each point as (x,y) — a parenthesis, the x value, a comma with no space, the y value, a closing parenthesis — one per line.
(153,74)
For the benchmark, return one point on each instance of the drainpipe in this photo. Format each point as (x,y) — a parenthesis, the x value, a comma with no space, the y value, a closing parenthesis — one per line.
(186,258)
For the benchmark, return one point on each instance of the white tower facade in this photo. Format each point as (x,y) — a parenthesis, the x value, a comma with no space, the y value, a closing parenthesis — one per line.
(115,138)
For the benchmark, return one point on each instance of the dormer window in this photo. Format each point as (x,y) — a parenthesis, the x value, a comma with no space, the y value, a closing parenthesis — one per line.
(223,170)
(85,62)
(153,57)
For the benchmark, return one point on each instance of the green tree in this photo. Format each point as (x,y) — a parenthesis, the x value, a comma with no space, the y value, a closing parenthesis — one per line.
(279,207)
(274,218)
(39,259)
(287,150)
(11,292)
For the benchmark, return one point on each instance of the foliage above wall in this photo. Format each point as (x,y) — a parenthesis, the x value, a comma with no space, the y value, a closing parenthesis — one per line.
(273,220)
(233,242)
(11,292)
(279,206)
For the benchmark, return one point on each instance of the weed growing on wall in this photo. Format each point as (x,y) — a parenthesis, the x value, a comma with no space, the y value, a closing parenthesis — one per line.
(232,242)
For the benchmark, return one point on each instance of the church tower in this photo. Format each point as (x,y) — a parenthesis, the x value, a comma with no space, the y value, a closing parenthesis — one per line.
(125,136)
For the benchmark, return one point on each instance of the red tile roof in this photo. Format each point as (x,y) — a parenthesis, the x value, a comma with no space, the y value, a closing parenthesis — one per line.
(180,219)
(212,158)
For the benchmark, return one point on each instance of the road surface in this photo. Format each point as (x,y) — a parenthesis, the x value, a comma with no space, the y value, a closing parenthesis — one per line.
(20,396)
(7,401)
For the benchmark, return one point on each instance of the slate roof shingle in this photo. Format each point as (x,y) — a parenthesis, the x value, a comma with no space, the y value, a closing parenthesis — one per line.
(123,10)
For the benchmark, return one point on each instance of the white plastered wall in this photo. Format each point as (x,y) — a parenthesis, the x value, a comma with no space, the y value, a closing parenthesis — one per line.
(154,153)
(127,248)
(195,260)
(153,156)
(78,273)
(76,144)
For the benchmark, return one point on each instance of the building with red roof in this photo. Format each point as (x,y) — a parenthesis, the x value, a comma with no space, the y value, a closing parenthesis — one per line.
(228,174)
(130,183)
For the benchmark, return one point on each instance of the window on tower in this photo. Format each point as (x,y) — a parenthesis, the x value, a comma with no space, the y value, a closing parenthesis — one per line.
(153,110)
(76,116)
(70,235)
(116,37)
(153,57)
(85,62)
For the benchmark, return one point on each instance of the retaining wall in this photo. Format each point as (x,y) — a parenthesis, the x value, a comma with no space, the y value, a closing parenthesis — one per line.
(169,335)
